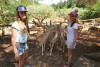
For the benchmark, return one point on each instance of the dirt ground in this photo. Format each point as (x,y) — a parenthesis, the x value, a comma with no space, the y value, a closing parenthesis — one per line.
(85,45)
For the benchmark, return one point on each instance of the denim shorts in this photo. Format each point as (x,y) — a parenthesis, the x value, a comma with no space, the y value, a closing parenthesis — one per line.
(21,48)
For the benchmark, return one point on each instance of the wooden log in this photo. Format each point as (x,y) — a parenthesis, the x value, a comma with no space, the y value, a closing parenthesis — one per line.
(89,60)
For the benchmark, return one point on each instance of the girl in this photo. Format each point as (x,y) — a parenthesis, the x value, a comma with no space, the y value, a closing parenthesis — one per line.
(20,30)
(72,30)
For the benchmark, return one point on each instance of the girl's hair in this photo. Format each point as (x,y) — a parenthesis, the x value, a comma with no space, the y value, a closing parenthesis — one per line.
(73,23)
(25,21)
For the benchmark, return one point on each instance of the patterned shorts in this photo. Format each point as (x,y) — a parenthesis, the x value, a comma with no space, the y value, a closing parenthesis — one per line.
(21,48)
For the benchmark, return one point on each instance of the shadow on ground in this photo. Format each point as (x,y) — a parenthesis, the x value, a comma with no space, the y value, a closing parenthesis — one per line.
(84,46)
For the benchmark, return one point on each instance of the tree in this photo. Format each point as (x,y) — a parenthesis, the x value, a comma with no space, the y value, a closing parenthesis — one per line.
(60,5)
(93,11)
(8,9)
(82,3)
(27,2)
(62,13)
(40,12)
(71,3)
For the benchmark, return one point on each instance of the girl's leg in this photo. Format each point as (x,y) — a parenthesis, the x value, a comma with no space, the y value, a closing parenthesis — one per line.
(70,53)
(26,54)
(21,61)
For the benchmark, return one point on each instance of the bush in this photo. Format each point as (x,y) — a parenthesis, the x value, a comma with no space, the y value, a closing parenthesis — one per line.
(92,12)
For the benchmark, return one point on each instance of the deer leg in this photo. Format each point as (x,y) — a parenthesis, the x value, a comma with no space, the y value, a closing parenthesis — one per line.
(63,48)
(51,49)
(42,50)
(44,47)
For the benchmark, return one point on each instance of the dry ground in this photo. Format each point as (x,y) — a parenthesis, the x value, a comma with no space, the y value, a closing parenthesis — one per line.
(84,46)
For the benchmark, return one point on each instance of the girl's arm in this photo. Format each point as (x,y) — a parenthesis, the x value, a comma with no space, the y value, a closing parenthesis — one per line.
(75,35)
(13,37)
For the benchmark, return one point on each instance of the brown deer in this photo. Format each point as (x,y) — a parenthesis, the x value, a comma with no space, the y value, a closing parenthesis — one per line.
(80,30)
(94,31)
(42,39)
(62,37)
(53,38)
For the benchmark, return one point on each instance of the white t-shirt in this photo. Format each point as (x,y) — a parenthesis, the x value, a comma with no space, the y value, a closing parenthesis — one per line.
(20,37)
(70,32)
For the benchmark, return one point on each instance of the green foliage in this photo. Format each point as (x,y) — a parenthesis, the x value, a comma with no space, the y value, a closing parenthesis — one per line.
(60,5)
(71,3)
(93,12)
(63,13)
(40,12)
(7,11)
(27,2)
(82,3)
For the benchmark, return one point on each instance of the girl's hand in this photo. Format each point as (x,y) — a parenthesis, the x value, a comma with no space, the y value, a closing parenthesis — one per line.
(26,54)
(73,44)
(16,56)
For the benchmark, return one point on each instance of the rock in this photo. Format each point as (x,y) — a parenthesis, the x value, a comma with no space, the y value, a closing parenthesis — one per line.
(88,60)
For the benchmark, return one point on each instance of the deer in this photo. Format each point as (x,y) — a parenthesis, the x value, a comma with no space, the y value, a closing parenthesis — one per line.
(80,30)
(62,37)
(94,31)
(53,37)
(42,39)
